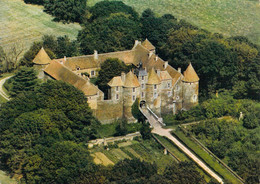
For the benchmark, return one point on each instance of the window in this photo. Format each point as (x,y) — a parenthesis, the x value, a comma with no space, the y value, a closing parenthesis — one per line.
(117,88)
(168,84)
(142,86)
(155,86)
(155,95)
(142,94)
(142,77)
(92,73)
(133,90)
(117,96)
(133,97)
(194,98)
(177,98)
(78,68)
(169,93)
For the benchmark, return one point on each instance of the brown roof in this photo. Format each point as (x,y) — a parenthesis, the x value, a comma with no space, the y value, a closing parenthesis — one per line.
(83,62)
(164,75)
(60,72)
(42,58)
(190,75)
(173,73)
(153,77)
(116,81)
(148,45)
(131,80)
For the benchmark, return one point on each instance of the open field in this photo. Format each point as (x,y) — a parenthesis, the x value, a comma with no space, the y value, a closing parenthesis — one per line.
(209,160)
(22,24)
(229,17)
(4,179)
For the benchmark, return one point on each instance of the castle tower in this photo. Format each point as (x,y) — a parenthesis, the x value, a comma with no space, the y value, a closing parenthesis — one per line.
(116,90)
(40,61)
(190,83)
(153,92)
(131,91)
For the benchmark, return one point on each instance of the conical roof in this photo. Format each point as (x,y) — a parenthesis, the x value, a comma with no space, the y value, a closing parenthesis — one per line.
(42,58)
(116,81)
(147,44)
(153,77)
(131,80)
(190,75)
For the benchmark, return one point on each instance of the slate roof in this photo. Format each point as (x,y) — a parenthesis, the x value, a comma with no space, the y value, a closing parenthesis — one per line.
(190,75)
(153,77)
(60,72)
(42,58)
(131,80)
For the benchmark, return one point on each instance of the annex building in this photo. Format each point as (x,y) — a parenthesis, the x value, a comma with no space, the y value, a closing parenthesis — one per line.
(157,84)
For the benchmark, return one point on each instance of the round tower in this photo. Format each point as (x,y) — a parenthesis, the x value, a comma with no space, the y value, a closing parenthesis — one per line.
(190,85)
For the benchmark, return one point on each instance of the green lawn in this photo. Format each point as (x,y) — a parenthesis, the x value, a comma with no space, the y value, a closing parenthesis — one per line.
(4,179)
(23,23)
(229,17)
(210,161)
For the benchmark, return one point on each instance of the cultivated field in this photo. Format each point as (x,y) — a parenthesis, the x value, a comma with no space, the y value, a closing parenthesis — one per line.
(229,17)
(23,24)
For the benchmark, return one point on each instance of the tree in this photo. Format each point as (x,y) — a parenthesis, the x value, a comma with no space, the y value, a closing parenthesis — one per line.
(106,8)
(66,10)
(65,47)
(146,131)
(121,128)
(24,80)
(40,2)
(110,68)
(113,33)
(183,173)
(136,111)
(250,120)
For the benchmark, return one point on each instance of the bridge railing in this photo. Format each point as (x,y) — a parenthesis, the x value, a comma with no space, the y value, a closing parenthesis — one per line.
(160,120)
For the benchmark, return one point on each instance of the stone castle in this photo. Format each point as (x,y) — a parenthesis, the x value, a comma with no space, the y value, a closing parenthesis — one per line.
(157,85)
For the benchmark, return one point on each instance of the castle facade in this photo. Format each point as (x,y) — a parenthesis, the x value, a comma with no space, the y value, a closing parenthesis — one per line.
(155,83)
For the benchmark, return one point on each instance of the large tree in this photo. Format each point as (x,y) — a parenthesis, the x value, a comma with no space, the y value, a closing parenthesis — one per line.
(113,33)
(66,10)
(110,68)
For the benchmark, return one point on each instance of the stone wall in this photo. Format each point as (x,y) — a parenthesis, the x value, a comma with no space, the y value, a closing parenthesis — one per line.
(108,111)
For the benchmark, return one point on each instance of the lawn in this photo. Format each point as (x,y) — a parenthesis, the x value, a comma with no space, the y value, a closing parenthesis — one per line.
(4,179)
(229,17)
(203,155)
(23,23)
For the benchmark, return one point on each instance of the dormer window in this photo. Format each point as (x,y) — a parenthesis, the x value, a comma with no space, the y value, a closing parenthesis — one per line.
(92,73)
(117,88)
(155,86)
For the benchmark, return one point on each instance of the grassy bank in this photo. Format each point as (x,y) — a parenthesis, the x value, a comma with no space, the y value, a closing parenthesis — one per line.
(210,161)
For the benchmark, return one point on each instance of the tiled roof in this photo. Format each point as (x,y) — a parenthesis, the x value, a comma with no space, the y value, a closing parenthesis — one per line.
(42,58)
(164,75)
(190,75)
(60,72)
(131,80)
(116,81)
(148,45)
(153,77)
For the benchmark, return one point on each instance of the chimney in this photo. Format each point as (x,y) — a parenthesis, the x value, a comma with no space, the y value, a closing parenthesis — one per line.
(95,55)
(123,77)
(156,58)
(165,64)
(150,54)
(65,58)
(179,70)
